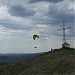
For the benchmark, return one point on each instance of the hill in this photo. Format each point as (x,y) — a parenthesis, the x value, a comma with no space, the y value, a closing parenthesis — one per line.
(55,62)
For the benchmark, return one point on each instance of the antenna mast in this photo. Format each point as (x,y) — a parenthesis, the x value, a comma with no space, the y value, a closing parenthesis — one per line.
(65,44)
(64,38)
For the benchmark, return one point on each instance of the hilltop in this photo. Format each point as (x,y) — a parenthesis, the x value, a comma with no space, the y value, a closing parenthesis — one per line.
(55,62)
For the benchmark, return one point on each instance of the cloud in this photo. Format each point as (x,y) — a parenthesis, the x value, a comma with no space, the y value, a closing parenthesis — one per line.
(62,10)
(58,12)
(14,22)
(11,25)
(52,1)
(3,33)
(20,11)
(20,21)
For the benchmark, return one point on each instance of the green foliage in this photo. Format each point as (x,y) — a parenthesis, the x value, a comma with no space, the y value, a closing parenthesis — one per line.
(55,62)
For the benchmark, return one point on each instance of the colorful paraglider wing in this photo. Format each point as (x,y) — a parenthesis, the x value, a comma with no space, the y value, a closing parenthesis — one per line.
(35,36)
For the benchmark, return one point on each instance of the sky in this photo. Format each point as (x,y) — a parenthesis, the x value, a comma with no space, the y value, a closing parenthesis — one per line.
(21,19)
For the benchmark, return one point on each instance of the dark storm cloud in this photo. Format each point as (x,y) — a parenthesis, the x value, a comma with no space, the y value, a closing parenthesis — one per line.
(60,14)
(52,1)
(20,11)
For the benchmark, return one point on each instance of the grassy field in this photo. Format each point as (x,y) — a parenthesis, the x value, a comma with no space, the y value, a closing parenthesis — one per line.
(55,62)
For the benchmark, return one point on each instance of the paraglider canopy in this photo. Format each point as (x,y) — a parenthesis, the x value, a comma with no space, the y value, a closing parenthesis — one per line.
(35,36)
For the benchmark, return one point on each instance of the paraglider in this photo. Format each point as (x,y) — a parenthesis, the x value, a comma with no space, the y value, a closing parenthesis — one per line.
(35,47)
(34,38)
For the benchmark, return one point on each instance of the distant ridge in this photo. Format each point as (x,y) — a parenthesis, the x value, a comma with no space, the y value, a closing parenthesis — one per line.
(55,62)
(11,58)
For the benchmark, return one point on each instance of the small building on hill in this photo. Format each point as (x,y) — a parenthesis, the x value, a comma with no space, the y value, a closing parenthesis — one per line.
(65,45)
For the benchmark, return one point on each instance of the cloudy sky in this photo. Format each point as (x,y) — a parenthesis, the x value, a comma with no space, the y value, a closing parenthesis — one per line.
(20,19)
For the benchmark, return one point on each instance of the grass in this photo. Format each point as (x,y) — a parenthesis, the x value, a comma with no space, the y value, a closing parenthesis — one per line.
(55,62)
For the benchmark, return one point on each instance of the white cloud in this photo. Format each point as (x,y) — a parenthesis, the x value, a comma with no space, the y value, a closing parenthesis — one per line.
(3,12)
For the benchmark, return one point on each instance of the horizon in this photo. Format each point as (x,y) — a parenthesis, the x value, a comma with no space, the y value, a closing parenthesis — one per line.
(24,53)
(20,20)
